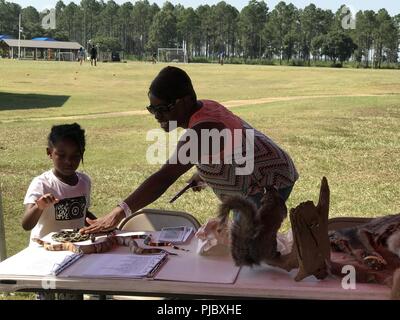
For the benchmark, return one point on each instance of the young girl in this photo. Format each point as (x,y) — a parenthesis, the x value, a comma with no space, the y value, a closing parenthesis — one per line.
(59,198)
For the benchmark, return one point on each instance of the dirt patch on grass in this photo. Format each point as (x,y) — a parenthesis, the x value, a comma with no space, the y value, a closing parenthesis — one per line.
(239,103)
(228,104)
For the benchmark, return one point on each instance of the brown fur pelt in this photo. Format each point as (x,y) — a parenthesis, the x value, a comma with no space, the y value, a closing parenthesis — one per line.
(374,244)
(373,248)
(253,234)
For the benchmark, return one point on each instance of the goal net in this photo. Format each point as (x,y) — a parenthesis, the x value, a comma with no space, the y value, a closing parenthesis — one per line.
(171,55)
(65,56)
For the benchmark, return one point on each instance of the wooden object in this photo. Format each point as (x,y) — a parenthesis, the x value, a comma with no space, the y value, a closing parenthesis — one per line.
(310,230)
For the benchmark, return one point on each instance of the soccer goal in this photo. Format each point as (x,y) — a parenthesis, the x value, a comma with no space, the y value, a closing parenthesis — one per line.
(171,55)
(65,56)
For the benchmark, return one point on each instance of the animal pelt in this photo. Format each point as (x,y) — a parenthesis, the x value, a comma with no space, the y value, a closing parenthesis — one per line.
(368,241)
(373,248)
(253,232)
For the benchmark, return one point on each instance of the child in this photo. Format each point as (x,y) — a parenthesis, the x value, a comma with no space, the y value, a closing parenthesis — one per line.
(59,198)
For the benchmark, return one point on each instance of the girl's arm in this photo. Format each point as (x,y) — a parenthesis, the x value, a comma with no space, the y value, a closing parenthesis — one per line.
(31,216)
(33,211)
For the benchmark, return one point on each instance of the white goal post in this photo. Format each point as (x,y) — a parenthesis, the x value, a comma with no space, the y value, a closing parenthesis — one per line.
(65,56)
(172,54)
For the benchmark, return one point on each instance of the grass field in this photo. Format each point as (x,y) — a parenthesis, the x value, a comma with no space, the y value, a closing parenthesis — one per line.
(341,123)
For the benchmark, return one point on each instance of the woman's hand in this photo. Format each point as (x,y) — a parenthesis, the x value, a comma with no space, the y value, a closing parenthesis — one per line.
(200,184)
(104,224)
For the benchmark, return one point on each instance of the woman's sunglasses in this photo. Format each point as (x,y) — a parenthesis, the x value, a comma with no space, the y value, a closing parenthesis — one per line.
(160,108)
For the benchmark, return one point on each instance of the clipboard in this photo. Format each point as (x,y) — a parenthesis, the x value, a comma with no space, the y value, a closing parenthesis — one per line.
(116,266)
(157,268)
(68,261)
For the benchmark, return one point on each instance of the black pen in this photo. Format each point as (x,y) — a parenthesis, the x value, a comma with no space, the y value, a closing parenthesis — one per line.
(186,188)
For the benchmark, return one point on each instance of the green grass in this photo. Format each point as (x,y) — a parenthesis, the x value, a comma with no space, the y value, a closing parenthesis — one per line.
(352,139)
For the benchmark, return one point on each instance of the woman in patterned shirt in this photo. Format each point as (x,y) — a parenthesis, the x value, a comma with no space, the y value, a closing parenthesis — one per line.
(230,156)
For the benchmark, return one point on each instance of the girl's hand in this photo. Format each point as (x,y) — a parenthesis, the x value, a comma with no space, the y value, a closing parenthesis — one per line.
(46,201)
(200,184)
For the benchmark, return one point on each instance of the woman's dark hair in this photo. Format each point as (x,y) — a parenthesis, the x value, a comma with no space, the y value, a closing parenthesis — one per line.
(172,83)
(73,132)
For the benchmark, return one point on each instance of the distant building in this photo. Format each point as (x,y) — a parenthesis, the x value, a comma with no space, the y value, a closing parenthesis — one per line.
(40,49)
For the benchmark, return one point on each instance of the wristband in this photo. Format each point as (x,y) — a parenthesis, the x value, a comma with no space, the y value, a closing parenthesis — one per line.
(126,208)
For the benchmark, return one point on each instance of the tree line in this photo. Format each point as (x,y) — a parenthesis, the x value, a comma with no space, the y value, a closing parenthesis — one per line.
(285,33)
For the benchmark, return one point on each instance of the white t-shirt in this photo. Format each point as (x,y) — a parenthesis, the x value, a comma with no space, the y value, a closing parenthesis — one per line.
(69,213)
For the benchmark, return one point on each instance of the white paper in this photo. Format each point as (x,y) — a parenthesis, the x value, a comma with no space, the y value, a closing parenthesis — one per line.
(176,235)
(33,261)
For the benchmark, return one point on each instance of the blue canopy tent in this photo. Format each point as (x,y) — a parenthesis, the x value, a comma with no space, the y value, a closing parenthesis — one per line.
(5,36)
(44,39)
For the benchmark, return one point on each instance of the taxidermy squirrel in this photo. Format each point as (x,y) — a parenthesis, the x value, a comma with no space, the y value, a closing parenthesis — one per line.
(253,234)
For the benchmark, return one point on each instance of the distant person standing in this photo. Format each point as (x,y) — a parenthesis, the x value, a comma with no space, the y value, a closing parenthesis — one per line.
(81,55)
(154,58)
(93,56)
(221,58)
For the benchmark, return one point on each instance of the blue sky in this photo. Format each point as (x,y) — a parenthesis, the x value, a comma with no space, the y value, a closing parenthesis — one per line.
(393,6)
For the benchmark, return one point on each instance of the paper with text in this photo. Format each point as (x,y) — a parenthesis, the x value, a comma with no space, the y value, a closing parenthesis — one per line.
(33,261)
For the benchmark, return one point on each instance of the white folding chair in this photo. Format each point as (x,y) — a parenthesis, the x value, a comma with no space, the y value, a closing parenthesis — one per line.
(155,220)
